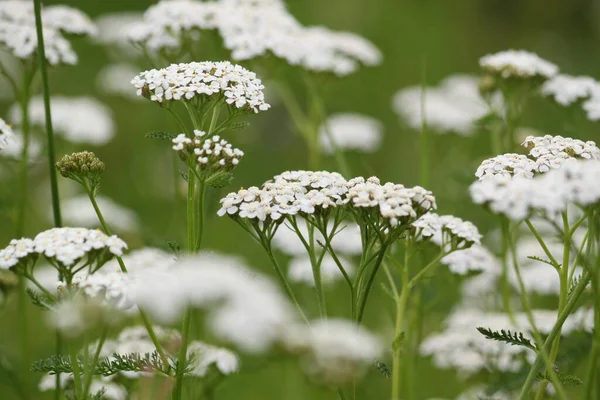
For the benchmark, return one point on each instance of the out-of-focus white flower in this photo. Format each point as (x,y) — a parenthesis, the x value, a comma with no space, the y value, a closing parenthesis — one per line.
(141,260)
(63,245)
(239,87)
(479,392)
(592,108)
(443,230)
(346,241)
(6,134)
(243,308)
(115,79)
(518,64)
(78,211)
(113,27)
(334,350)
(567,90)
(77,119)
(13,147)
(111,390)
(350,132)
(475,258)
(205,356)
(18,32)
(300,270)
(453,106)
(73,316)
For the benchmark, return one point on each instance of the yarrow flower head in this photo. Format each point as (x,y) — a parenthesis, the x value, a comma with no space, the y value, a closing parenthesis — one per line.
(545,153)
(76,119)
(518,64)
(236,85)
(6,134)
(333,351)
(213,155)
(454,106)
(83,167)
(64,247)
(394,204)
(567,90)
(447,231)
(350,132)
(18,31)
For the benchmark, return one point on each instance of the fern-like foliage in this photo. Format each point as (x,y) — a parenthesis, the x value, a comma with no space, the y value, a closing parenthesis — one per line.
(160,136)
(506,336)
(133,362)
(38,299)
(544,261)
(574,283)
(565,379)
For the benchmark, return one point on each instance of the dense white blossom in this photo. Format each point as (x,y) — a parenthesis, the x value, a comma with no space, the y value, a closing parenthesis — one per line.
(396,204)
(6,134)
(567,90)
(252,29)
(346,131)
(64,245)
(518,64)
(300,270)
(212,154)
(333,350)
(18,32)
(77,119)
(182,82)
(443,230)
(475,258)
(243,308)
(561,148)
(506,165)
(453,106)
(290,193)
(78,211)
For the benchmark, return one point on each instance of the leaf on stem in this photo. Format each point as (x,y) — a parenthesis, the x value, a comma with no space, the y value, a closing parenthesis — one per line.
(383,368)
(398,341)
(535,258)
(160,136)
(565,379)
(506,336)
(38,299)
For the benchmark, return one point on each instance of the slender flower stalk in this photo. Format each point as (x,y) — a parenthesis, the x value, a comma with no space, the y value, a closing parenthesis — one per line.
(48,114)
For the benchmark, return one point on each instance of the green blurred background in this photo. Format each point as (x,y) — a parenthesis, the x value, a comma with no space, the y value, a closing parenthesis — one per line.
(422,40)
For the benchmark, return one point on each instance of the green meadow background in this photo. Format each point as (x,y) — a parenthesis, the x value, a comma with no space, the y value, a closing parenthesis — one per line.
(422,41)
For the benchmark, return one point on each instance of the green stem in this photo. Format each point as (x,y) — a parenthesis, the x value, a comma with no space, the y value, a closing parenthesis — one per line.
(504,284)
(424,148)
(89,376)
(362,300)
(76,373)
(562,317)
(417,278)
(201,193)
(49,131)
(23,164)
(182,356)
(58,347)
(401,304)
(316,269)
(542,243)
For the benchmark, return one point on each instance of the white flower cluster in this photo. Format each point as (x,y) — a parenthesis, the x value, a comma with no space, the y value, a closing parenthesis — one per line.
(347,131)
(290,193)
(213,153)
(545,153)
(454,105)
(507,165)
(443,230)
(18,32)
(396,204)
(111,287)
(462,347)
(251,29)
(239,87)
(77,119)
(550,193)
(567,90)
(243,308)
(334,350)
(475,258)
(78,211)
(64,245)
(518,64)
(6,134)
